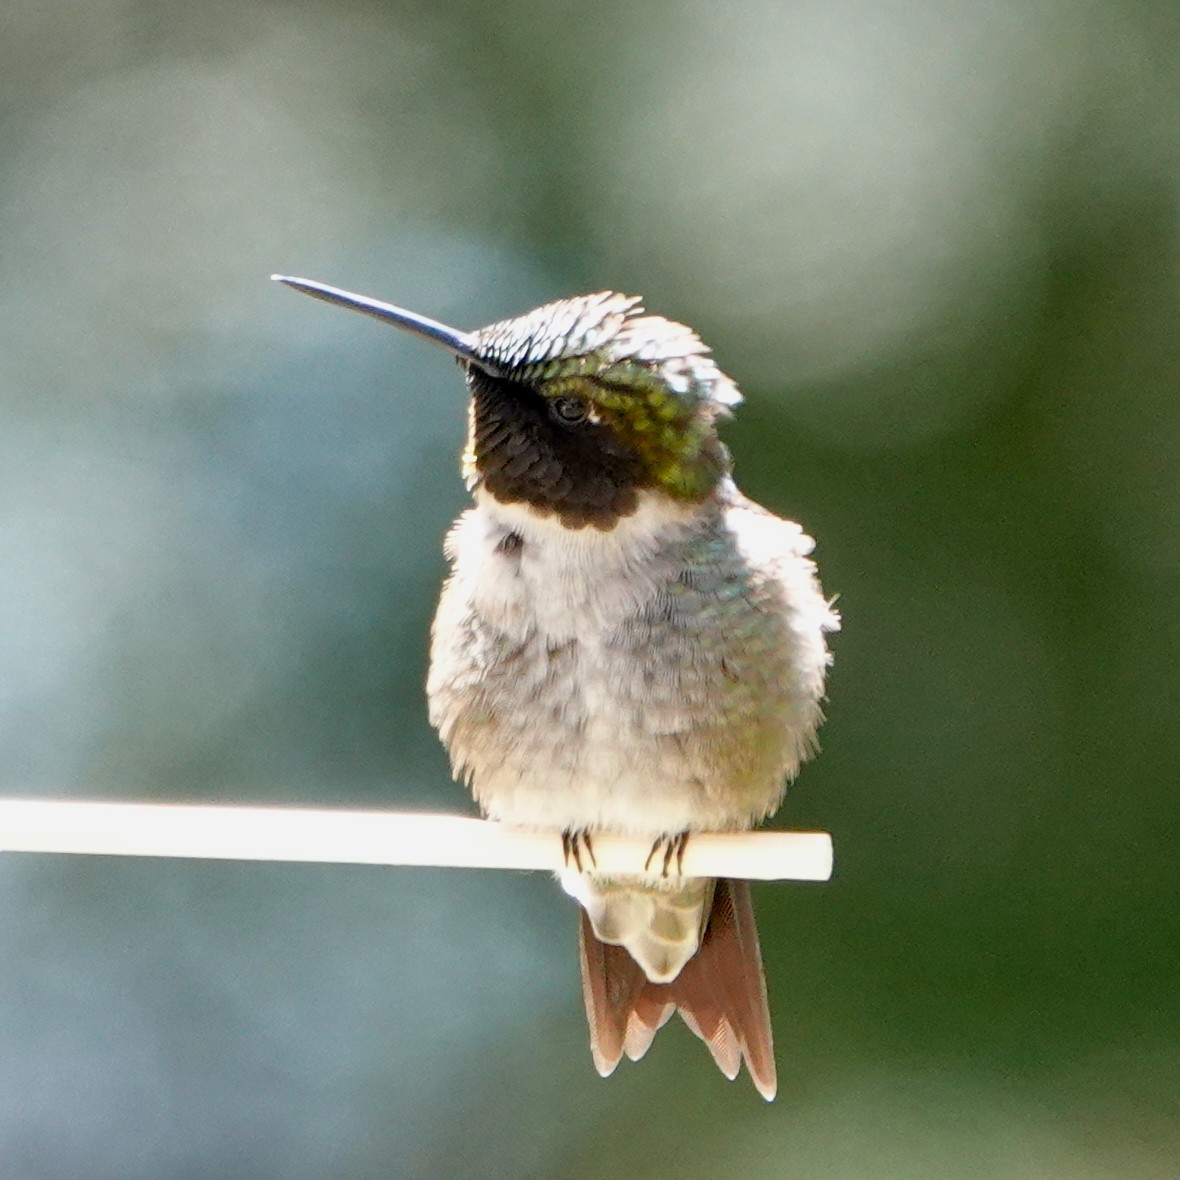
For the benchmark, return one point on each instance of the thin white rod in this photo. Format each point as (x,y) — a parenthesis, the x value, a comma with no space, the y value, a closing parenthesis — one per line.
(380,838)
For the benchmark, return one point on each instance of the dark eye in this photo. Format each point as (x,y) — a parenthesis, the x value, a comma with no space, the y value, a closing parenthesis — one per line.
(569,410)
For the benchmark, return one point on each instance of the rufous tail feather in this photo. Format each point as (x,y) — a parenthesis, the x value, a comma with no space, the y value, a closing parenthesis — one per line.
(720,993)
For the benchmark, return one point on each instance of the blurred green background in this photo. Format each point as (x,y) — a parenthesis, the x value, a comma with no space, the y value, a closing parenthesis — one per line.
(936,244)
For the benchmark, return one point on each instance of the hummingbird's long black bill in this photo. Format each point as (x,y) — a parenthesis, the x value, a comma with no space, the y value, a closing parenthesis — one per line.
(461,344)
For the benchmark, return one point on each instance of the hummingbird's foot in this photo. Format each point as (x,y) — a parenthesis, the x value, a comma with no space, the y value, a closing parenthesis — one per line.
(672,847)
(575,841)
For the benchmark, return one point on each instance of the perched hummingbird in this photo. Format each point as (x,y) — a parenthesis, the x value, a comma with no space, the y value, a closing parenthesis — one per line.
(625,643)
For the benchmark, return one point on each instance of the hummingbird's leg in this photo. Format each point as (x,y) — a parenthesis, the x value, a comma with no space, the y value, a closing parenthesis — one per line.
(573,841)
(672,847)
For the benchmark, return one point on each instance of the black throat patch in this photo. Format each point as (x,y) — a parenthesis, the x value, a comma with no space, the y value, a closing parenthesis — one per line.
(522,455)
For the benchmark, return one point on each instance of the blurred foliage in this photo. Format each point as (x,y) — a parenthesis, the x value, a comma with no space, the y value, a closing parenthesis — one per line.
(935,243)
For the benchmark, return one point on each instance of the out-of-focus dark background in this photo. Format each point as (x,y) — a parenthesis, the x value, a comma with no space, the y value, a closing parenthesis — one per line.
(935,243)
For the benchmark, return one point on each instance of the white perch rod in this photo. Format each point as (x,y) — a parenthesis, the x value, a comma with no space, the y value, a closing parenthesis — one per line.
(379,838)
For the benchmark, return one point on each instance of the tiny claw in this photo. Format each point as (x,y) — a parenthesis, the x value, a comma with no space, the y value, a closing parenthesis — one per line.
(672,847)
(573,841)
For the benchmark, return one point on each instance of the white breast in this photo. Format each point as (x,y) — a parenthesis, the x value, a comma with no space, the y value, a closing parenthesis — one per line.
(579,681)
(566,583)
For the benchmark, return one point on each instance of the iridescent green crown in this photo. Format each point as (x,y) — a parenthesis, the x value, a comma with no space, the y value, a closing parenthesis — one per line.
(649,378)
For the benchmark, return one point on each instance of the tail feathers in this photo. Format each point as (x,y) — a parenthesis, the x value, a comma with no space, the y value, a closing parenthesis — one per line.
(720,994)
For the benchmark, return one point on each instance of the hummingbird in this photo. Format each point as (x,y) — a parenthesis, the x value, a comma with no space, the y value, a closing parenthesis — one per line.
(624,643)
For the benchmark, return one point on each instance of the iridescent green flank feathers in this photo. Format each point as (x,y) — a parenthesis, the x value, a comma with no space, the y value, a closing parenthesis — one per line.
(650,379)
(625,643)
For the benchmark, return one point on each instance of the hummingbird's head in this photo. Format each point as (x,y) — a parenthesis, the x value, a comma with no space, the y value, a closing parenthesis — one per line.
(581,404)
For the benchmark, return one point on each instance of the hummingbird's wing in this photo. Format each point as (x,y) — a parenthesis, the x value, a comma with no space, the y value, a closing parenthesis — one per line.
(720,994)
